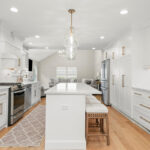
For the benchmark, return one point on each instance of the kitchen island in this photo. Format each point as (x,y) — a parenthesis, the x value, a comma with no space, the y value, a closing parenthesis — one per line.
(65,116)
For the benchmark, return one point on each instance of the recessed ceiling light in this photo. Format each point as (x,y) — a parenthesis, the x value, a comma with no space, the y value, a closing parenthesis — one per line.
(93,48)
(37,36)
(102,37)
(124,12)
(14,9)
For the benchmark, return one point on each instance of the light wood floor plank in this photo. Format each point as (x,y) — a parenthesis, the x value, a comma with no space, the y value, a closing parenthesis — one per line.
(124,135)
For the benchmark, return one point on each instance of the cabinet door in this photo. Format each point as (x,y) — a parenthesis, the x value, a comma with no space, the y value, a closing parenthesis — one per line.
(3,107)
(33,94)
(115,96)
(3,113)
(126,71)
(126,94)
(120,92)
(126,84)
(38,92)
(115,85)
(146,50)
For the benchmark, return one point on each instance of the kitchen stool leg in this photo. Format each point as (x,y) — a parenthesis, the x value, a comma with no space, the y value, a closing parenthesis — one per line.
(87,128)
(101,125)
(107,130)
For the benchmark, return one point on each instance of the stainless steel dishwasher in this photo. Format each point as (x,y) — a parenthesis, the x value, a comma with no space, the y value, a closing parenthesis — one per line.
(27,103)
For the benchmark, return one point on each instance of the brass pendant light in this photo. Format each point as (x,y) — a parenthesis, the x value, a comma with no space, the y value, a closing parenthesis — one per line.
(70,41)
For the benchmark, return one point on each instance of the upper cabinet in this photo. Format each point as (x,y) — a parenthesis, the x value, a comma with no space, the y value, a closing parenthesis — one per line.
(116,53)
(146,49)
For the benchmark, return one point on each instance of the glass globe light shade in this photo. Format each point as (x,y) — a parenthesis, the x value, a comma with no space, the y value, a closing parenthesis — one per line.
(70,44)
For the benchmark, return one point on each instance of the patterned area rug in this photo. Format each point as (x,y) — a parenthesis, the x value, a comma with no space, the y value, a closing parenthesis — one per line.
(28,132)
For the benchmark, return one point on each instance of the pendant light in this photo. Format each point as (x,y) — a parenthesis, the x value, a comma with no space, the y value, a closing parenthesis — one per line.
(71,44)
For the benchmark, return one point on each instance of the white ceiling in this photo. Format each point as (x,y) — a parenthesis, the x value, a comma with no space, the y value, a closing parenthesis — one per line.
(40,54)
(93,18)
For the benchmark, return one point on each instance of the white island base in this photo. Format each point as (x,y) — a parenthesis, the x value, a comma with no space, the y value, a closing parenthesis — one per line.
(65,122)
(65,116)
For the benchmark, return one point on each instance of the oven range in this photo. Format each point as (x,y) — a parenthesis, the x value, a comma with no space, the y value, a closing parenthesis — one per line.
(16,101)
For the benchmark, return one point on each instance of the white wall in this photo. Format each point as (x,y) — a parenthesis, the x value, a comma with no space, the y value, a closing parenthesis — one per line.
(84,62)
(98,57)
(135,46)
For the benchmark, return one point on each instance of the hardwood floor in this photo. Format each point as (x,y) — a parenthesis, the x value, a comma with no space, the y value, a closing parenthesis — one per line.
(124,135)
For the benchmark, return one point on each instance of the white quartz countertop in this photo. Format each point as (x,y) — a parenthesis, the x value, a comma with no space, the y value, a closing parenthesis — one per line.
(72,89)
(147,89)
(30,82)
(4,87)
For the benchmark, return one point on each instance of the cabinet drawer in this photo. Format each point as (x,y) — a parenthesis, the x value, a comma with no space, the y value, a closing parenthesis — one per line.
(141,96)
(141,117)
(142,104)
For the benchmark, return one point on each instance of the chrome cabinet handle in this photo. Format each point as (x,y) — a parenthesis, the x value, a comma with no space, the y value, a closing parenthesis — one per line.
(2,94)
(144,119)
(1,108)
(138,94)
(144,106)
(123,76)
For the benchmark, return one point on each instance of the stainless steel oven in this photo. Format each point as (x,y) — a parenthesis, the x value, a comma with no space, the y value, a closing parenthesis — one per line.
(16,105)
(15,102)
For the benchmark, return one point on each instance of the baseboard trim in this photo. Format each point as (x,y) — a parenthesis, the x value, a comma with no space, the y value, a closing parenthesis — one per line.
(132,120)
(65,145)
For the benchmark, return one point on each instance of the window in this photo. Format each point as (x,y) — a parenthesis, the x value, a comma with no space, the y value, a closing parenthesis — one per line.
(66,72)
(72,72)
(61,72)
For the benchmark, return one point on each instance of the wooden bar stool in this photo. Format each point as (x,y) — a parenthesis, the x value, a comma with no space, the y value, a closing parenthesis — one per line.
(99,112)
(90,99)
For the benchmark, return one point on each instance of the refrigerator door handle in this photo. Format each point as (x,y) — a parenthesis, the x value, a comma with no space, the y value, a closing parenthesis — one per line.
(104,88)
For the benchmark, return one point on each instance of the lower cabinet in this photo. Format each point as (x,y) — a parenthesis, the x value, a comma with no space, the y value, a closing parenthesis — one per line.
(141,107)
(126,100)
(121,99)
(3,108)
(35,93)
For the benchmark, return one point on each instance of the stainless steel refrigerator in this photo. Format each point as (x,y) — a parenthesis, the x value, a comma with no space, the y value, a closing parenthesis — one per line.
(105,81)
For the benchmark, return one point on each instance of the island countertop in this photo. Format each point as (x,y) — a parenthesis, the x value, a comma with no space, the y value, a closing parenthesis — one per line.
(4,87)
(72,89)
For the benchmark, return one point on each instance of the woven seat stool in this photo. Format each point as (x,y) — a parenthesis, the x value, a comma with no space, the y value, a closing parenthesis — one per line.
(99,112)
(90,99)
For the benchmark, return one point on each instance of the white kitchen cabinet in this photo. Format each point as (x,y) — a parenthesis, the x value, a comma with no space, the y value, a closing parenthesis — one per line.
(35,93)
(120,89)
(126,100)
(38,91)
(141,107)
(146,50)
(3,108)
